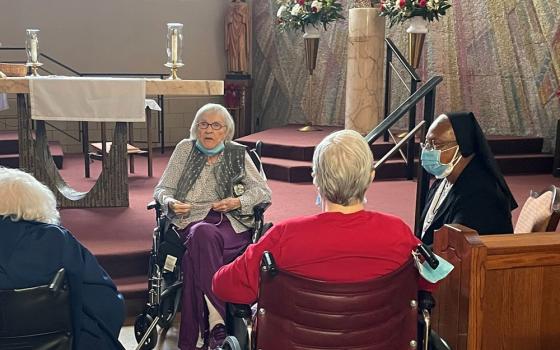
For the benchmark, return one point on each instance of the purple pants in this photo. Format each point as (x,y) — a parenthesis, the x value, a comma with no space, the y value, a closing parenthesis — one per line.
(210,243)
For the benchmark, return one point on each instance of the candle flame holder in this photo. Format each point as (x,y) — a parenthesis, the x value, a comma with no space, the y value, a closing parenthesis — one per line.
(32,50)
(174,48)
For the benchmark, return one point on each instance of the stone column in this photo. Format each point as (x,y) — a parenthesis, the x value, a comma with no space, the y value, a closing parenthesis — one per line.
(364,79)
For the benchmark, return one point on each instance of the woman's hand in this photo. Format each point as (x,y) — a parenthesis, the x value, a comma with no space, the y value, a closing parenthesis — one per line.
(227,204)
(180,208)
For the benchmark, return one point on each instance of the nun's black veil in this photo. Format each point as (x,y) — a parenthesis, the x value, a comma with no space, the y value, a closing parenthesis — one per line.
(471,139)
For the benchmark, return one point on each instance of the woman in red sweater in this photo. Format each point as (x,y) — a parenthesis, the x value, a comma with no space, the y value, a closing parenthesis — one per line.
(345,243)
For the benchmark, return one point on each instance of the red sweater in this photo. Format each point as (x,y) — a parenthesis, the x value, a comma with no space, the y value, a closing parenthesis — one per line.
(330,246)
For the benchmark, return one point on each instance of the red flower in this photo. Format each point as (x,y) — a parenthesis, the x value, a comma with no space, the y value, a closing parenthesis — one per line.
(301,2)
(558,93)
(422,3)
(402,3)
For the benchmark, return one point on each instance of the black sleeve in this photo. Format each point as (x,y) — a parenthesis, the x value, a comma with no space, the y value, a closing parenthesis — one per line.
(483,212)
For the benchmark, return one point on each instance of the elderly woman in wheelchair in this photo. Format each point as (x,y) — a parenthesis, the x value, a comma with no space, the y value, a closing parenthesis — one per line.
(208,191)
(343,245)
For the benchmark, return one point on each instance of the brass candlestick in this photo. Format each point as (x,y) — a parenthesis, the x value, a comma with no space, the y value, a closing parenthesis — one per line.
(174,48)
(173,67)
(34,68)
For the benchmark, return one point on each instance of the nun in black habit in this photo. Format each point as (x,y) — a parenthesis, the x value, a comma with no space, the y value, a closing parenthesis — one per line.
(469,189)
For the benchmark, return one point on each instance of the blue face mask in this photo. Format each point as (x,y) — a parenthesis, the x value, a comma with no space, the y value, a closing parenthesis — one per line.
(318,201)
(430,159)
(434,275)
(210,152)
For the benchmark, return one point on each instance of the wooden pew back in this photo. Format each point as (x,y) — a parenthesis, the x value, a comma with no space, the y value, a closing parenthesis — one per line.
(504,292)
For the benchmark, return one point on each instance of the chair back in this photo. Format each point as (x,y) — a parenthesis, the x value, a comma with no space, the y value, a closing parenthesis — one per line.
(36,318)
(540,213)
(301,313)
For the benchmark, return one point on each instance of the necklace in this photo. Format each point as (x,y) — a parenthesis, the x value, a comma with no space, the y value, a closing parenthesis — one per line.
(436,203)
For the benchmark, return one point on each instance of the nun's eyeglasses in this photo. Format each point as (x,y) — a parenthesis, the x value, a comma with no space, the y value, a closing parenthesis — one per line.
(214,126)
(430,146)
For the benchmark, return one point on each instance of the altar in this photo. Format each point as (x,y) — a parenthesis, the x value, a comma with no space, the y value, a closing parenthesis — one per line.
(111,188)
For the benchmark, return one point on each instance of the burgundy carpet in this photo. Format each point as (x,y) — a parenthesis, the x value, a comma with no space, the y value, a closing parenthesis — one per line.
(111,230)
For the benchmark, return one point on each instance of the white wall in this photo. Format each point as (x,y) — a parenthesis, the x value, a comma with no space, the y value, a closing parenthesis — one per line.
(125,36)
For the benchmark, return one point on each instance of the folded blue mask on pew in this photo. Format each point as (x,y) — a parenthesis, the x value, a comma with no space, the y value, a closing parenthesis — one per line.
(433,275)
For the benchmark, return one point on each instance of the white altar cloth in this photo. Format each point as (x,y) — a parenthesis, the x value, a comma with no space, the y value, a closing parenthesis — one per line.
(87,99)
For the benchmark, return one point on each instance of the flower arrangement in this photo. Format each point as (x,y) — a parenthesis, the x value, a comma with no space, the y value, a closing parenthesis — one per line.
(399,11)
(297,14)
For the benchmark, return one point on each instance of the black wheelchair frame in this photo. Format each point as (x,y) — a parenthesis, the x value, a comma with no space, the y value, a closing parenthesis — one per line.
(165,278)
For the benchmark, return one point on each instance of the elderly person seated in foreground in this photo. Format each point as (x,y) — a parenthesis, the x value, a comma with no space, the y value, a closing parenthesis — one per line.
(469,189)
(345,243)
(209,189)
(33,247)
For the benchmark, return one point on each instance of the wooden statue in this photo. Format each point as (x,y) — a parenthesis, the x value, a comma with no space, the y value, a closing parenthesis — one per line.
(238,28)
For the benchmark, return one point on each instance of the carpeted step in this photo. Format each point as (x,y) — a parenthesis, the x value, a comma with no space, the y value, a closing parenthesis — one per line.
(286,169)
(514,164)
(511,164)
(133,287)
(8,142)
(135,292)
(11,160)
(124,263)
(288,143)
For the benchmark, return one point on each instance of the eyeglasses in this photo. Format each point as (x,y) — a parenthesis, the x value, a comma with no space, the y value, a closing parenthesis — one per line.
(430,146)
(205,125)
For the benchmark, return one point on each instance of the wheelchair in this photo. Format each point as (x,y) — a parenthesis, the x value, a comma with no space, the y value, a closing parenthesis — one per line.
(165,278)
(38,317)
(379,314)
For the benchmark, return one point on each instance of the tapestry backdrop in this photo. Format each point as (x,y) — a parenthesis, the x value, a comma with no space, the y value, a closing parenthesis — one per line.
(499,58)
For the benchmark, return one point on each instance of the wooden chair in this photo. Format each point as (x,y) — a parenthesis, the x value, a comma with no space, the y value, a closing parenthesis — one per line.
(541,212)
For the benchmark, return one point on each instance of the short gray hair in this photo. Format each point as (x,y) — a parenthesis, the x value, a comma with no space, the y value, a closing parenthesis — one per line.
(342,166)
(214,108)
(25,198)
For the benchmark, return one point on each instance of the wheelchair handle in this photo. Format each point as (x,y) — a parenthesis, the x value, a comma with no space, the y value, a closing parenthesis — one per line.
(57,281)
(268,264)
(428,255)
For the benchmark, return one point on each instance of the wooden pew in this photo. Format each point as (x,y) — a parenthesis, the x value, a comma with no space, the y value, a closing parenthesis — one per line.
(504,292)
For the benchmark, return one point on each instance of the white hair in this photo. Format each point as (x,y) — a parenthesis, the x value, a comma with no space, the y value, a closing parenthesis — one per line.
(25,198)
(214,108)
(342,167)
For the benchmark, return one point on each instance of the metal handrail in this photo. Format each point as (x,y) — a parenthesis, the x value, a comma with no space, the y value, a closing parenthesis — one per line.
(393,50)
(401,110)
(411,71)
(427,92)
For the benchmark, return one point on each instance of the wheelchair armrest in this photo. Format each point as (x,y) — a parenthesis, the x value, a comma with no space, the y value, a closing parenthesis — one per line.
(241,310)
(152,205)
(259,210)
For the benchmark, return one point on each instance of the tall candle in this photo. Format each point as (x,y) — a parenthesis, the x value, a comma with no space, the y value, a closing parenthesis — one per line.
(34,50)
(174,46)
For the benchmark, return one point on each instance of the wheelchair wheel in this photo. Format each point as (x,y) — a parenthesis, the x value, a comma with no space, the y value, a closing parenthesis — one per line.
(231,343)
(141,325)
